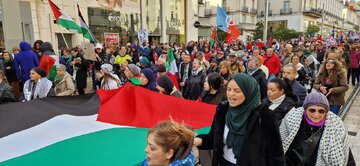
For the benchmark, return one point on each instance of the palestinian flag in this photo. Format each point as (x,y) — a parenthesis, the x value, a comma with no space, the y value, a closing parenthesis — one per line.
(63,19)
(84,28)
(60,131)
(171,62)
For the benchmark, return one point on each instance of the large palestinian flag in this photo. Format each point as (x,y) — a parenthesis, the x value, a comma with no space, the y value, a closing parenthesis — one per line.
(67,130)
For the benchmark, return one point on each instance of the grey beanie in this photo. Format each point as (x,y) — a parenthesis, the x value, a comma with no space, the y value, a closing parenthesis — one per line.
(107,68)
(135,70)
(316,98)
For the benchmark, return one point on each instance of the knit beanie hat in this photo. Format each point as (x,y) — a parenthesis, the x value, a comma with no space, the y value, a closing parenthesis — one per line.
(316,98)
(144,61)
(135,70)
(107,68)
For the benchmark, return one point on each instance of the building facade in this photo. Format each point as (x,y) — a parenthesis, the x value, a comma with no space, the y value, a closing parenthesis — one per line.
(242,12)
(332,15)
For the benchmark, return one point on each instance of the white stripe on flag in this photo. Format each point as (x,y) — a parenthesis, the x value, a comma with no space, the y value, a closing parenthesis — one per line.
(59,128)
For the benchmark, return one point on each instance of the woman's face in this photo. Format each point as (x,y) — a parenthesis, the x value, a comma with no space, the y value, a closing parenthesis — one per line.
(127,72)
(330,64)
(196,65)
(273,91)
(34,76)
(60,72)
(251,64)
(316,113)
(206,85)
(154,153)
(6,56)
(223,69)
(295,60)
(234,94)
(143,79)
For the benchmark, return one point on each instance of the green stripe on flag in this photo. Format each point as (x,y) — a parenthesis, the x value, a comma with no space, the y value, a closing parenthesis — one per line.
(69,24)
(118,146)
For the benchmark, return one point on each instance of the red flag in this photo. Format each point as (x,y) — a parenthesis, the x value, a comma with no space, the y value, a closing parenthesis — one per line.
(136,106)
(233,33)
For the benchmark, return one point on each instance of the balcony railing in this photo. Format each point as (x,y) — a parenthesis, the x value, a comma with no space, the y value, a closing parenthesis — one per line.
(253,11)
(262,13)
(244,9)
(312,12)
(286,11)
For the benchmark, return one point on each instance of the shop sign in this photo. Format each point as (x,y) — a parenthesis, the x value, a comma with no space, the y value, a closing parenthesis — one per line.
(111,38)
(175,23)
(117,19)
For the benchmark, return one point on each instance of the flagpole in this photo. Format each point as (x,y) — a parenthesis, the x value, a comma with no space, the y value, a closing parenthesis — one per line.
(62,34)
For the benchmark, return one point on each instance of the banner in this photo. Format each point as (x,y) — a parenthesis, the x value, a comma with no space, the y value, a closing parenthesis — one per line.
(143,36)
(111,38)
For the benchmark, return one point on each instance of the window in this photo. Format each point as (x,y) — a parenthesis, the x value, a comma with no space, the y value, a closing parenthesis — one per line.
(244,3)
(286,6)
(244,18)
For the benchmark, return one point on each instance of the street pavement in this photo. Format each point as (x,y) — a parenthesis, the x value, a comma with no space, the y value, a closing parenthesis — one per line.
(352,123)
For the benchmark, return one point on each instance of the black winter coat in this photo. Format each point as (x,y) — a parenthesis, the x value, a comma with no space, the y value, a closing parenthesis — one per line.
(194,86)
(262,146)
(10,71)
(260,77)
(280,111)
(81,73)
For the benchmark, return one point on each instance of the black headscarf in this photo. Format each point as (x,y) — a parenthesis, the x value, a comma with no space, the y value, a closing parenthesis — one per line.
(166,83)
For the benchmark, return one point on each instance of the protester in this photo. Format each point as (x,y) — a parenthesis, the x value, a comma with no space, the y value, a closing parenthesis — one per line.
(147,79)
(166,86)
(38,86)
(290,73)
(109,81)
(312,135)
(66,60)
(132,73)
(47,60)
(169,143)
(280,98)
(331,81)
(195,82)
(214,90)
(272,62)
(64,84)
(10,73)
(236,136)
(6,93)
(254,71)
(24,61)
(80,68)
(225,74)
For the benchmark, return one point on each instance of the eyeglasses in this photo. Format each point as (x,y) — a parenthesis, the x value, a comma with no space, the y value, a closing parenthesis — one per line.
(320,111)
(330,62)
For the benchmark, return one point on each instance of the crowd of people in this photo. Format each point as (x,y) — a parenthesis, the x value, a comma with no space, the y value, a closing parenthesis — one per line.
(303,82)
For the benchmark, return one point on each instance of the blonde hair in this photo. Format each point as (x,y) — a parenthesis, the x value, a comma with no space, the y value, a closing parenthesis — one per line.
(172,135)
(225,64)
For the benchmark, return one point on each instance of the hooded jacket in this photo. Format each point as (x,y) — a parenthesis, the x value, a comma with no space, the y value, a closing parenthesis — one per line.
(46,60)
(24,61)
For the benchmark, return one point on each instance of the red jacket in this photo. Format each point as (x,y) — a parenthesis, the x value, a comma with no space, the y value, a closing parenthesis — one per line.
(46,62)
(272,63)
(354,59)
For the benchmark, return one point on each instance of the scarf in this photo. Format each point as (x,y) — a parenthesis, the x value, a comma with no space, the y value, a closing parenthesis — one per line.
(276,102)
(237,117)
(311,123)
(195,72)
(190,160)
(251,71)
(42,88)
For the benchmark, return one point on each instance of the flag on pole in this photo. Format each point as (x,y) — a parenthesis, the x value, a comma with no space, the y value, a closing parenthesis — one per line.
(356,36)
(212,39)
(84,28)
(63,19)
(171,63)
(222,19)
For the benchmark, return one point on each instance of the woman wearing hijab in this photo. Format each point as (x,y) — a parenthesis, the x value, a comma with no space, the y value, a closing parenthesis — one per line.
(109,80)
(38,86)
(166,86)
(313,135)
(243,132)
(64,84)
(147,79)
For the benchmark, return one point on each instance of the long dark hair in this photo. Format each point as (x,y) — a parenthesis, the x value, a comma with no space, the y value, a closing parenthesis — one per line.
(215,81)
